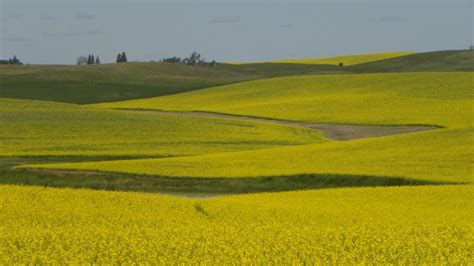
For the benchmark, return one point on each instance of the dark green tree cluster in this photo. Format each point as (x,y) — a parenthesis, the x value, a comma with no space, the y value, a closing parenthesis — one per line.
(174,60)
(122,58)
(12,61)
(194,60)
(89,60)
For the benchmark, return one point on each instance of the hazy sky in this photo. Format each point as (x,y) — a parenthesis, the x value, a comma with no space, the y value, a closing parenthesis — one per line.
(48,32)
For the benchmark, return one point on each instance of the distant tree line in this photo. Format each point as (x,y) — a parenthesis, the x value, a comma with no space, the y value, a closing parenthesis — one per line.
(89,60)
(194,60)
(12,61)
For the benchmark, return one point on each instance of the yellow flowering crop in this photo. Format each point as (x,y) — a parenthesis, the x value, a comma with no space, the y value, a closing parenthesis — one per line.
(414,225)
(36,128)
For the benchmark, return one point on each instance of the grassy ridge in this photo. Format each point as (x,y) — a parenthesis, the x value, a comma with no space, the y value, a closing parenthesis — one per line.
(341,226)
(346,60)
(431,61)
(36,128)
(109,82)
(115,82)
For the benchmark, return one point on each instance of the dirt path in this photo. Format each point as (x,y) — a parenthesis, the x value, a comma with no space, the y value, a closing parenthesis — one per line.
(330,131)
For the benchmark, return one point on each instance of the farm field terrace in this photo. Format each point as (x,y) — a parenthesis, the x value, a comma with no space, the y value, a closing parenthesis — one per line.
(411,225)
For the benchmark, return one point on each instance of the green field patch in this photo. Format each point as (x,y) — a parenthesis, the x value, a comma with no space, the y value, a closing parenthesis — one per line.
(457,60)
(200,186)
(115,82)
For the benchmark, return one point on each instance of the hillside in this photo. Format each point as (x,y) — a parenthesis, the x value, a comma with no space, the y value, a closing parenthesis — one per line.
(442,99)
(395,98)
(108,82)
(116,82)
(36,128)
(430,61)
(347,60)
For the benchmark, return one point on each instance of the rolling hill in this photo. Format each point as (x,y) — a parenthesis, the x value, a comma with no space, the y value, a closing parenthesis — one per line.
(425,217)
(37,128)
(430,61)
(346,60)
(116,82)
(108,82)
(442,99)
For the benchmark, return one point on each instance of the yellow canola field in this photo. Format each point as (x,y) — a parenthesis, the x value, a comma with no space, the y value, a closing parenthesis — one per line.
(37,128)
(443,99)
(442,155)
(397,225)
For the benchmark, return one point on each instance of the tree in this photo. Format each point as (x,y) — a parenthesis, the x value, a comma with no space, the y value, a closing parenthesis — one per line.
(97,60)
(124,57)
(119,58)
(194,59)
(15,60)
(341,64)
(90,60)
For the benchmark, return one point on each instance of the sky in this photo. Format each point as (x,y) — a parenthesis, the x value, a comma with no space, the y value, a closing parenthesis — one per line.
(57,32)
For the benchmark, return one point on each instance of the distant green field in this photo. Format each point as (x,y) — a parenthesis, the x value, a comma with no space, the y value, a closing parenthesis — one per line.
(115,82)
(346,60)
(108,82)
(36,128)
(430,61)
